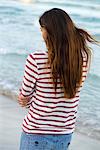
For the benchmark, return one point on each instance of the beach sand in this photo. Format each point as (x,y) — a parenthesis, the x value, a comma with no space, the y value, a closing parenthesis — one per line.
(11,116)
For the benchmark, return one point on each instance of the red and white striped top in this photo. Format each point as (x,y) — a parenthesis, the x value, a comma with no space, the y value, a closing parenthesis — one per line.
(48,113)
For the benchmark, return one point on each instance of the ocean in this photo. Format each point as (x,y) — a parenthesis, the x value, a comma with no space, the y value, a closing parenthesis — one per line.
(20,35)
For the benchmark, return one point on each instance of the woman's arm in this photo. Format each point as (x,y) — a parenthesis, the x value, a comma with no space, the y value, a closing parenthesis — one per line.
(29,81)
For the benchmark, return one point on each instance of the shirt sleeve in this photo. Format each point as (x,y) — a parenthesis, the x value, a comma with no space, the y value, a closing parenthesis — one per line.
(30,77)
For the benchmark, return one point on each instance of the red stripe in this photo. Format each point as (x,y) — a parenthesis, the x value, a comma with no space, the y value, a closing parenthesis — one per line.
(44,68)
(49,92)
(50,115)
(46,124)
(77,96)
(39,54)
(53,92)
(44,73)
(49,120)
(28,80)
(84,71)
(45,78)
(29,121)
(44,130)
(84,60)
(27,85)
(26,95)
(26,121)
(47,82)
(31,63)
(41,58)
(84,65)
(47,87)
(37,57)
(22,94)
(84,76)
(53,110)
(25,90)
(50,67)
(52,97)
(41,63)
(29,74)
(31,69)
(58,101)
(28,105)
(56,106)
(51,84)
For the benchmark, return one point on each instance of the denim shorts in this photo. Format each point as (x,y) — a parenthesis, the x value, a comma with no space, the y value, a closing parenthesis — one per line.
(44,141)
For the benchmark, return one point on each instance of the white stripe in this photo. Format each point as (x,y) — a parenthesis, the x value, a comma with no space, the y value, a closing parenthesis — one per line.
(84,74)
(49,122)
(32,60)
(84,69)
(63,131)
(53,113)
(31,66)
(47,89)
(31,72)
(56,105)
(53,109)
(46,84)
(55,99)
(26,88)
(52,117)
(44,70)
(84,63)
(50,95)
(32,79)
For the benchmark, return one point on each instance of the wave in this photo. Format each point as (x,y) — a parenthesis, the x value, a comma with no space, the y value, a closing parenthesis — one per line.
(9,93)
(10,10)
(71,3)
(74,8)
(8,90)
(14,54)
(4,51)
(3,8)
(70,6)
(89,129)
(14,93)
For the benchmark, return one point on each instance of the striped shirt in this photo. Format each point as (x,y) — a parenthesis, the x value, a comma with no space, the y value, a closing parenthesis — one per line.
(48,113)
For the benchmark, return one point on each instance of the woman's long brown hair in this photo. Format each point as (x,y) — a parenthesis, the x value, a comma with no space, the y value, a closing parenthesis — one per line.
(65,43)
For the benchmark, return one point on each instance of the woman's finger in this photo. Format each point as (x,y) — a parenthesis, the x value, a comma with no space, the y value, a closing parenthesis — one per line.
(22,104)
(23,98)
(23,101)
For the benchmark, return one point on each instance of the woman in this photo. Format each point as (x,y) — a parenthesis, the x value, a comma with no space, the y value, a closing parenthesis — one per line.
(52,83)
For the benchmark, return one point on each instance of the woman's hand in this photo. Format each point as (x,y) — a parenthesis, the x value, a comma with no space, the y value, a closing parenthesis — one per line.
(23,100)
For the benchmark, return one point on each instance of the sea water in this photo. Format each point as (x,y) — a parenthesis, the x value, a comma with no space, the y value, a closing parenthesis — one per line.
(20,35)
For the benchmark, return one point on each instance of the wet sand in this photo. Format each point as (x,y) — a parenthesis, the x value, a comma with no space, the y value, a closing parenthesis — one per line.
(11,116)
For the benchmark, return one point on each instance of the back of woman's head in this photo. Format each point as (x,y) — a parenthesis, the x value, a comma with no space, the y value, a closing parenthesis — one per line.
(66,43)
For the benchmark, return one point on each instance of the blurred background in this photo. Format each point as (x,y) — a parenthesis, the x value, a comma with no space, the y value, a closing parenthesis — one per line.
(20,35)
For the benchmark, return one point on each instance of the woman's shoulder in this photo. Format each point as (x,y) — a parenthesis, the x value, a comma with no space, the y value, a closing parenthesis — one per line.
(39,53)
(39,56)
